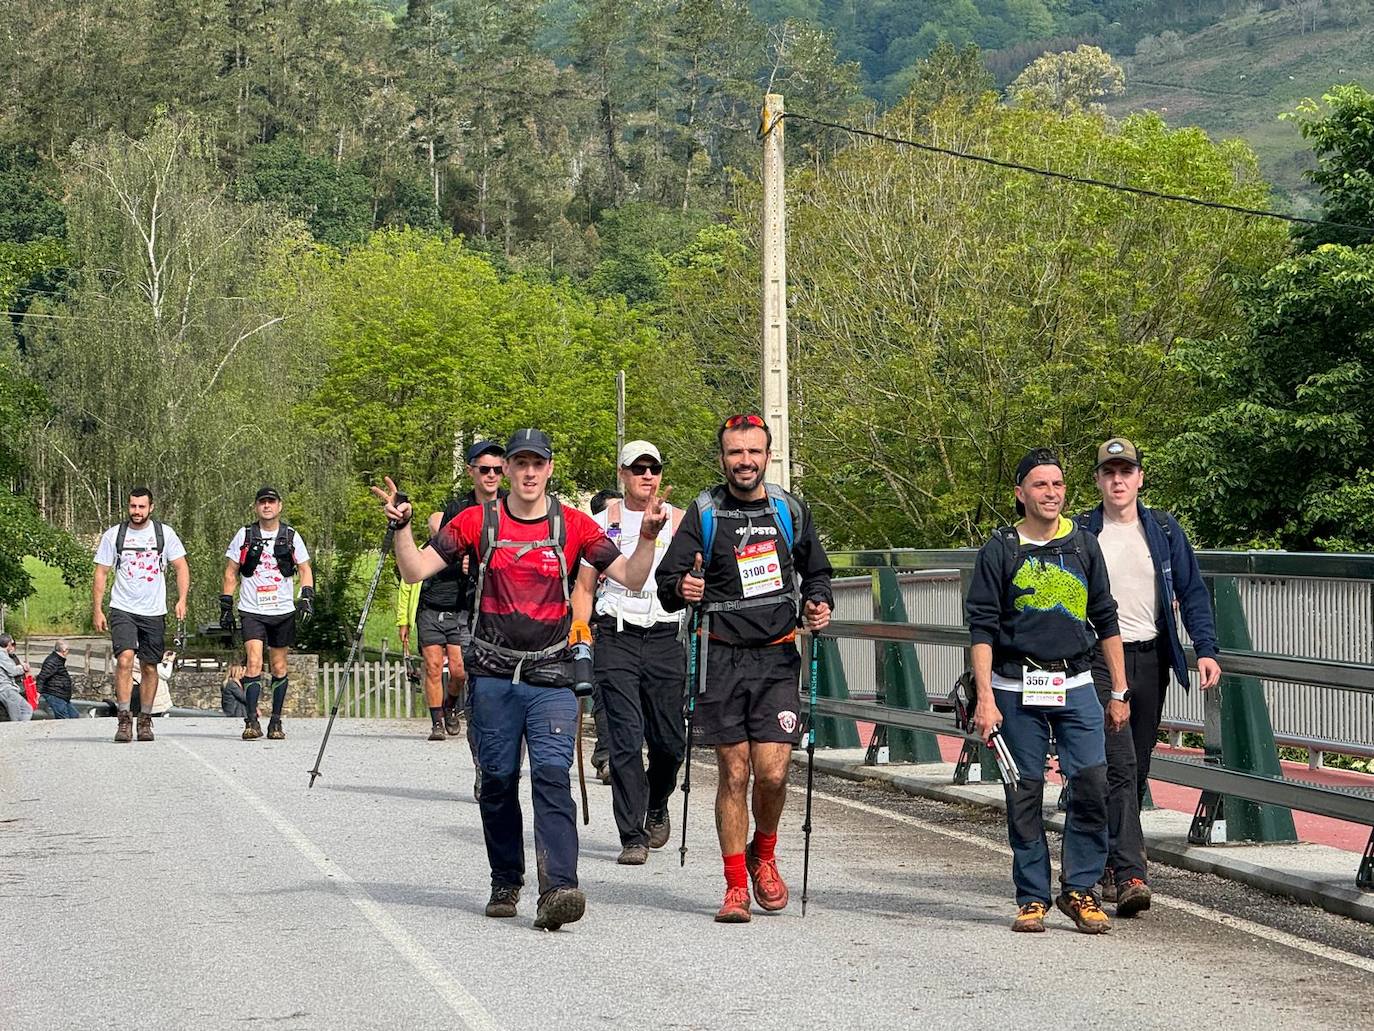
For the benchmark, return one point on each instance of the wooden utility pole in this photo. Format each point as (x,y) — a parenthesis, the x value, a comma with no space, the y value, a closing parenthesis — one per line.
(774,379)
(619,414)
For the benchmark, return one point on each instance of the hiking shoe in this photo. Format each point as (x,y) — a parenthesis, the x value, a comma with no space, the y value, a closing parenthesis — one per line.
(274,731)
(633,855)
(658,827)
(1108,884)
(453,721)
(252,729)
(603,773)
(1030,917)
(735,908)
(1132,897)
(437,731)
(145,727)
(769,889)
(124,733)
(558,907)
(1083,910)
(503,900)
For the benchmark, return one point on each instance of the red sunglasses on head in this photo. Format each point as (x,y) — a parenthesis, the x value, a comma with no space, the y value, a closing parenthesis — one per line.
(737,421)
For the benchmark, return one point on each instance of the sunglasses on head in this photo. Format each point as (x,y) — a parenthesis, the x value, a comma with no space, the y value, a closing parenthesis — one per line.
(488,470)
(737,421)
(640,468)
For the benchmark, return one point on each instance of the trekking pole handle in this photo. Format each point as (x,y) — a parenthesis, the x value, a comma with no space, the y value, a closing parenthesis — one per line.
(401,498)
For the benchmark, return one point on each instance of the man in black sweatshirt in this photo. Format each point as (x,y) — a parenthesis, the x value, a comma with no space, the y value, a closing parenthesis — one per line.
(1038,603)
(747,554)
(55,683)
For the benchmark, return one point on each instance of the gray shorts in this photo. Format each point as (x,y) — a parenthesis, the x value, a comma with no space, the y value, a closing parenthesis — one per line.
(435,626)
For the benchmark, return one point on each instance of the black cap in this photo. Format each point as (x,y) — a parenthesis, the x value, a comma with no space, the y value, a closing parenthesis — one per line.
(267,494)
(483,447)
(1034,457)
(534,441)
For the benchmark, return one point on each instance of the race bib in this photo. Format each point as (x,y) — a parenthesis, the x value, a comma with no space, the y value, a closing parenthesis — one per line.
(1043,687)
(760,571)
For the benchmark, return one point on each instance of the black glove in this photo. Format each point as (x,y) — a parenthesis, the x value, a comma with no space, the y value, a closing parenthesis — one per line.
(226,612)
(305,606)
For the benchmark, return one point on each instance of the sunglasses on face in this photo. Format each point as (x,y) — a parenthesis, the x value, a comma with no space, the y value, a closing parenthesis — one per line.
(640,468)
(488,470)
(736,422)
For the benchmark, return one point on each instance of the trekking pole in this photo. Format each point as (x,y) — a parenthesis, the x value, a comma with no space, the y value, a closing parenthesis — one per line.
(580,638)
(698,627)
(391,527)
(581,770)
(810,765)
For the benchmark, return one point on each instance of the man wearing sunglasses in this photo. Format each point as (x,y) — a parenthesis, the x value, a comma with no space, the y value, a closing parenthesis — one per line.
(760,561)
(640,665)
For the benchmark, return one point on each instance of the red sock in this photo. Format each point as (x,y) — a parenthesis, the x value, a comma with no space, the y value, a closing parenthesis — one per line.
(736,876)
(764,844)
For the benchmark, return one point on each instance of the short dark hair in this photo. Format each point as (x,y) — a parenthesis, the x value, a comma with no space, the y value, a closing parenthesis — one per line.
(141,492)
(601,499)
(747,421)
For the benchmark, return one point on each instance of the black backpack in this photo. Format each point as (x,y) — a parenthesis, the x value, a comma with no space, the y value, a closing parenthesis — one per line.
(124,532)
(283,550)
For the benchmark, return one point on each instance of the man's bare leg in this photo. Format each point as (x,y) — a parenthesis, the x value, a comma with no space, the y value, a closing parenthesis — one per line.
(124,678)
(770,761)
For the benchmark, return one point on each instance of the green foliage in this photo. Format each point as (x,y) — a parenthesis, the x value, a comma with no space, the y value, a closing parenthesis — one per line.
(1070,81)
(1343,140)
(333,200)
(635,240)
(30,208)
(1284,455)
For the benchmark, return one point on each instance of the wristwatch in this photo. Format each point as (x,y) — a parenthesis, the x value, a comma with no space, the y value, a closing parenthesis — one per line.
(1121,696)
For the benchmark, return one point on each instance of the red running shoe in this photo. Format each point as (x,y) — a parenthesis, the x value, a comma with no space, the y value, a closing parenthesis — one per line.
(735,908)
(769,889)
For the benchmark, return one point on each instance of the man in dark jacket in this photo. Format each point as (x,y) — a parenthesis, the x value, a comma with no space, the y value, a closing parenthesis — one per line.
(1155,578)
(1038,603)
(55,683)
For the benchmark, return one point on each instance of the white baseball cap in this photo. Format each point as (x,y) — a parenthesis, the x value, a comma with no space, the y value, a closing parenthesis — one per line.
(639,449)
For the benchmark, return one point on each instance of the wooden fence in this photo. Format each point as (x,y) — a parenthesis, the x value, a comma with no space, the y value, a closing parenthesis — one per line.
(377,690)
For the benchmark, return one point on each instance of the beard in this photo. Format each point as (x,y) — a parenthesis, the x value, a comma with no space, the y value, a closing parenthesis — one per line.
(744,481)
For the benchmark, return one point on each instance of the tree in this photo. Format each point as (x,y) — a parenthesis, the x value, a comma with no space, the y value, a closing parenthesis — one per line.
(1069,81)
(1343,141)
(949,71)
(334,201)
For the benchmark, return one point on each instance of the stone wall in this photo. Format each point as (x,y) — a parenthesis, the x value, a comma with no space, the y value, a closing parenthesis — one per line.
(198,686)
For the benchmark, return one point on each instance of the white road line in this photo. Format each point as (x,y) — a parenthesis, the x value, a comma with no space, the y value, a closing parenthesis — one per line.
(1269,934)
(468,1009)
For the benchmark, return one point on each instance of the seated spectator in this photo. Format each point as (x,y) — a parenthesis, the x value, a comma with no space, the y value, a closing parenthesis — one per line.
(232,698)
(12,673)
(55,683)
(162,700)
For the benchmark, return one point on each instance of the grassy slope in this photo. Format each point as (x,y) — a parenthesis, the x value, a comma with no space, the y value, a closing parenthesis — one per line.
(53,608)
(1236,77)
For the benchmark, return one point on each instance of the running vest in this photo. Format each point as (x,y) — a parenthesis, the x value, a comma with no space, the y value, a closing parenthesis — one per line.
(487,546)
(446,589)
(786,514)
(613,598)
(283,550)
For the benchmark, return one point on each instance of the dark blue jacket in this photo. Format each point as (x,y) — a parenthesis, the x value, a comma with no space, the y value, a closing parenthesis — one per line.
(1178,578)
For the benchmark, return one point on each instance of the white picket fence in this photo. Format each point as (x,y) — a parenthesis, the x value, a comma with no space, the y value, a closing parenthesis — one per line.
(377,690)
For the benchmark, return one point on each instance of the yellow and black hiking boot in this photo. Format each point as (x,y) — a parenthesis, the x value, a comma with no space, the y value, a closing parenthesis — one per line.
(145,727)
(1030,917)
(124,733)
(252,729)
(1083,910)
(274,731)
(1132,897)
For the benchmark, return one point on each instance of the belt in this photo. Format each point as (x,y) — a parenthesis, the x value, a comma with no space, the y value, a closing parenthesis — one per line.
(1140,646)
(1052,666)
(610,626)
(786,638)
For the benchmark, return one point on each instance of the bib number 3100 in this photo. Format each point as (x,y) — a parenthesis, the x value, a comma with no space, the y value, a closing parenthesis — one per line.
(760,571)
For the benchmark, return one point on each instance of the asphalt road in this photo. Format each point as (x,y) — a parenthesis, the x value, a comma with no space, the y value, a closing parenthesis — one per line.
(195,882)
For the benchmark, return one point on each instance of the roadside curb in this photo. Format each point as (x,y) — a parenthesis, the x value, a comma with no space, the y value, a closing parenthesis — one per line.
(1313,889)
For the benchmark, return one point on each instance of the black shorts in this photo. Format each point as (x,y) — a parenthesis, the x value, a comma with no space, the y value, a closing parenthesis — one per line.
(277,631)
(435,626)
(145,635)
(753,693)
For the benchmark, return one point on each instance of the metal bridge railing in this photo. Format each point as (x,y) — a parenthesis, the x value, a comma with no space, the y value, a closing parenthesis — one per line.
(939,583)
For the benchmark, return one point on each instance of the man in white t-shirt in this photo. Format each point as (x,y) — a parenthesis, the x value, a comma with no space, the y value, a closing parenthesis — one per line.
(640,667)
(139,550)
(264,560)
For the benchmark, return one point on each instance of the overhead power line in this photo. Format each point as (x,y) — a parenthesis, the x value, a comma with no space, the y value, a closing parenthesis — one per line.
(1079,180)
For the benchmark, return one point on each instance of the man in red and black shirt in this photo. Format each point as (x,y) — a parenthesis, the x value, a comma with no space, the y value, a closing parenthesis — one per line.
(521,550)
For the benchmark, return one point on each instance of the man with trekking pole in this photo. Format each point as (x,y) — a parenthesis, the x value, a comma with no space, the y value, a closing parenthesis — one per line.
(138,550)
(639,667)
(1039,604)
(748,556)
(263,561)
(521,551)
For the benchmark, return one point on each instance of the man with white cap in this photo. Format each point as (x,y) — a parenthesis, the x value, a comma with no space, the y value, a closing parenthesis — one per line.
(640,666)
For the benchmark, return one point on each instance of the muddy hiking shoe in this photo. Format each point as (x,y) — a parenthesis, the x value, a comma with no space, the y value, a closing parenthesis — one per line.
(503,900)
(252,729)
(558,907)
(1132,897)
(633,855)
(453,721)
(1108,884)
(124,733)
(145,727)
(1083,910)
(1030,917)
(658,826)
(437,731)
(274,731)
(735,908)
(770,891)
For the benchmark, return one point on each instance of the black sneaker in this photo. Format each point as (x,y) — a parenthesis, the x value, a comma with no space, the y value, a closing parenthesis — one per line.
(558,907)
(274,731)
(658,827)
(603,773)
(437,732)
(453,721)
(503,900)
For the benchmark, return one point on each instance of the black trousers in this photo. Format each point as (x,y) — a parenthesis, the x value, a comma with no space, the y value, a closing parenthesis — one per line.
(1128,753)
(640,686)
